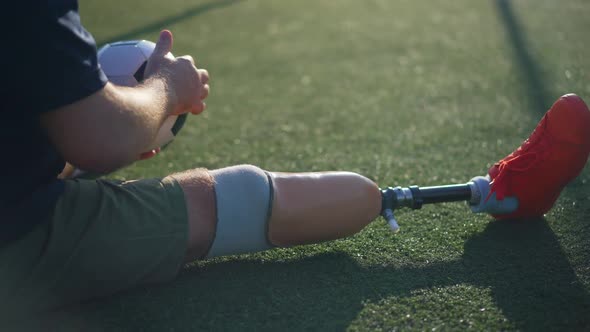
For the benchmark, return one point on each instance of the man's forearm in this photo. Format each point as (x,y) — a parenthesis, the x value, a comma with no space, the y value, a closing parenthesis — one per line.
(114,126)
(117,124)
(143,111)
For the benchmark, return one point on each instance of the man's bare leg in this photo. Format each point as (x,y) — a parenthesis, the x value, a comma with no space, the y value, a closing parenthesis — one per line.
(199,193)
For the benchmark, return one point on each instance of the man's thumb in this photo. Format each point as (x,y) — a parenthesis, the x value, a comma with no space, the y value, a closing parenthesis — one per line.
(164,44)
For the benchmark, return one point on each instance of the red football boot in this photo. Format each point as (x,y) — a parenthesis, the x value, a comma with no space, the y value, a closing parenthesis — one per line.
(547,161)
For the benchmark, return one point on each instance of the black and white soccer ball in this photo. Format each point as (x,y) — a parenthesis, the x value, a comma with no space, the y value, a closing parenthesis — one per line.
(124,64)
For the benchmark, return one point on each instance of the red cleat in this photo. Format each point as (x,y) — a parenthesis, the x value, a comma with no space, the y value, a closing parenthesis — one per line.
(547,161)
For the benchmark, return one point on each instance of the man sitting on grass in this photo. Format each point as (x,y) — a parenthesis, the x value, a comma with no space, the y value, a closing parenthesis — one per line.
(66,240)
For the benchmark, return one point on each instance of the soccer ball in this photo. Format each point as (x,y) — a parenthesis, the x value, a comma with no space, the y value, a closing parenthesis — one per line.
(124,64)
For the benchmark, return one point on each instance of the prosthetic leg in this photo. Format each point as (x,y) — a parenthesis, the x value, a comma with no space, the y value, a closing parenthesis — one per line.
(299,208)
(524,184)
(315,207)
(258,210)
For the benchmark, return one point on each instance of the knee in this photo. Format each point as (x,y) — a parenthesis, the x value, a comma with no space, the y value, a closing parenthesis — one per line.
(199,195)
(244,196)
(228,210)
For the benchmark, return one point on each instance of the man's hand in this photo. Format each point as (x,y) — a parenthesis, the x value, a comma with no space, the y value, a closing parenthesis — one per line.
(116,125)
(187,86)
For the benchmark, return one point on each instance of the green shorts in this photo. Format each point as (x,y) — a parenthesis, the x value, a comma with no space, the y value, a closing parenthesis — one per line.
(104,236)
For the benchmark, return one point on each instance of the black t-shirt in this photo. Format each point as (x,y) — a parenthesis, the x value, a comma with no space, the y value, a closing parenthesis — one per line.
(49,60)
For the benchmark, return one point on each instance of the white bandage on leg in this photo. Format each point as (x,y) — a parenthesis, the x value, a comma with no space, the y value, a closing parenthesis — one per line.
(244,201)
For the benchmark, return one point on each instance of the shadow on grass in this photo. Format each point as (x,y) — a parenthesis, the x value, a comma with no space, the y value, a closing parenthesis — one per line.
(163,23)
(574,229)
(536,90)
(530,278)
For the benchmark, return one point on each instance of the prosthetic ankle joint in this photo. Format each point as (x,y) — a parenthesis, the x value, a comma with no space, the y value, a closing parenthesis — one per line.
(476,192)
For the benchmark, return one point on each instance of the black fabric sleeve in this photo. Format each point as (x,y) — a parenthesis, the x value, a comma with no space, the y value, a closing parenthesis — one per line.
(69,61)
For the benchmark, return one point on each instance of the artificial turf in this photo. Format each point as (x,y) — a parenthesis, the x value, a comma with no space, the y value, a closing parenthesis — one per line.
(404,92)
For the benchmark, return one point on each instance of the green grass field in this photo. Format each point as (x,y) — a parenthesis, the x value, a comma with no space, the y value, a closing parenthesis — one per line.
(405,92)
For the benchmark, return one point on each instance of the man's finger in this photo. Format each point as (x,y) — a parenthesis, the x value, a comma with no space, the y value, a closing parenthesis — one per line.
(164,44)
(205,92)
(149,154)
(198,108)
(204,75)
(187,58)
